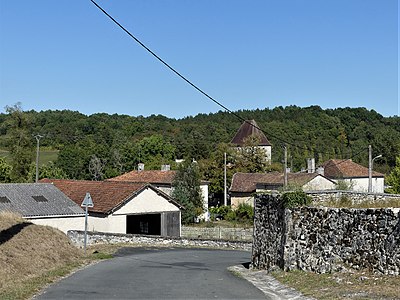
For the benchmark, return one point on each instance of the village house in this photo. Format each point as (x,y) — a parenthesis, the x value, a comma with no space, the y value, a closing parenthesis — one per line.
(245,185)
(162,180)
(353,174)
(42,204)
(249,129)
(125,207)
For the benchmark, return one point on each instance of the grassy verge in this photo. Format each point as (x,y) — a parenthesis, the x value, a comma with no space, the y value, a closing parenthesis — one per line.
(32,285)
(349,285)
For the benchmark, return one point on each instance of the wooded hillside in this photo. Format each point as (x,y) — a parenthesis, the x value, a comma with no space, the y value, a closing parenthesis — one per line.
(116,143)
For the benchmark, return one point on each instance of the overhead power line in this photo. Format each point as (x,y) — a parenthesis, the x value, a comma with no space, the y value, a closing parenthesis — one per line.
(183,77)
(188,81)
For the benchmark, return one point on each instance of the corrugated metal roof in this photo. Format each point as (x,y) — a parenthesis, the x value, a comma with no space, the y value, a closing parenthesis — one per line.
(50,201)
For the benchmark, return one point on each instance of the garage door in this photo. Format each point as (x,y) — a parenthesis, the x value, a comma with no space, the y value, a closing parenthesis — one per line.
(144,224)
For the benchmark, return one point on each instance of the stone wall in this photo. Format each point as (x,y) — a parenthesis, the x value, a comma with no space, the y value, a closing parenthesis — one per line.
(77,238)
(322,197)
(325,239)
(218,233)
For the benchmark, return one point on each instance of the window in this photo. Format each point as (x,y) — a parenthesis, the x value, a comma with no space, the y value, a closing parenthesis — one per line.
(4,199)
(39,198)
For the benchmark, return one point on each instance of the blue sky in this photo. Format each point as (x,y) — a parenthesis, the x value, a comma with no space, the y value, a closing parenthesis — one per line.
(66,54)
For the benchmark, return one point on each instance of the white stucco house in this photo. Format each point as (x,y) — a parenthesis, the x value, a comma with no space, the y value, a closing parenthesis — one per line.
(355,175)
(163,181)
(42,204)
(125,207)
(245,185)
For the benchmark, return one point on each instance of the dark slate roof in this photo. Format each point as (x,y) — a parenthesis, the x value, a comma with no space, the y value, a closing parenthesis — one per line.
(107,195)
(50,201)
(247,129)
(346,168)
(247,182)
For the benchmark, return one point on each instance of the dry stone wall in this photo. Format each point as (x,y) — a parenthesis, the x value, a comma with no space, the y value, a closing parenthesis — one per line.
(77,238)
(325,239)
(329,196)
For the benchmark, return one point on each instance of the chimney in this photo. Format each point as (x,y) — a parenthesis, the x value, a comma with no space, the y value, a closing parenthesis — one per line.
(311,165)
(321,171)
(140,167)
(165,167)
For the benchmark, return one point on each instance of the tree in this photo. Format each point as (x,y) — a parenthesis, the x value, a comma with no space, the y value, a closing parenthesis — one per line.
(20,143)
(186,190)
(394,178)
(5,171)
(96,166)
(251,158)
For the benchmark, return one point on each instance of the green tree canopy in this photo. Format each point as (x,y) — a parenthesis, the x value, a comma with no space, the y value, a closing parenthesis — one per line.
(394,178)
(186,190)
(20,143)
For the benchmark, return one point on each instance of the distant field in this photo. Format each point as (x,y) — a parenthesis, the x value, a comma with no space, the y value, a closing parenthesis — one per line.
(44,156)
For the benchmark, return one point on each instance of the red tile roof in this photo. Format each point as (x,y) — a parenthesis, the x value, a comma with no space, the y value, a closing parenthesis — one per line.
(147,176)
(346,168)
(106,195)
(247,129)
(247,182)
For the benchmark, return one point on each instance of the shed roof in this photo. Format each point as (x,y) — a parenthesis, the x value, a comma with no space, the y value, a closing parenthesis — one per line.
(346,168)
(247,182)
(248,129)
(107,195)
(36,200)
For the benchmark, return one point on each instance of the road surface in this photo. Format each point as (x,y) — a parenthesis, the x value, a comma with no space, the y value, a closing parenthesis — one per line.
(159,273)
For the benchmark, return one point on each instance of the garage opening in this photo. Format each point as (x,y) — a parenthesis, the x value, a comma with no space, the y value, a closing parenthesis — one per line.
(144,224)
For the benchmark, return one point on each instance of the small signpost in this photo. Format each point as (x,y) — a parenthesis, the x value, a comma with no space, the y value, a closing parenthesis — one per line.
(87,202)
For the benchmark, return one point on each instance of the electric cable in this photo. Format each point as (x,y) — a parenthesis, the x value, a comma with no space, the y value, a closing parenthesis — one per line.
(188,81)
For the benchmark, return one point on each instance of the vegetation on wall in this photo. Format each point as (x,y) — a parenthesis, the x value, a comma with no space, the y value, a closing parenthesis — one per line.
(295,199)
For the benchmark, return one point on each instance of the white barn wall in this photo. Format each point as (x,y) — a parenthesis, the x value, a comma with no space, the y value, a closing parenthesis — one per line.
(319,183)
(61,223)
(148,201)
(361,184)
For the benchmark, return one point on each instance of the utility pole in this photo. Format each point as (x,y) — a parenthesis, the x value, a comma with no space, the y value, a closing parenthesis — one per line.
(37,137)
(225,198)
(369,169)
(285,183)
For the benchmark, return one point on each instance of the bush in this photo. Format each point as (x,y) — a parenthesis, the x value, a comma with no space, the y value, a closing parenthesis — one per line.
(295,199)
(245,212)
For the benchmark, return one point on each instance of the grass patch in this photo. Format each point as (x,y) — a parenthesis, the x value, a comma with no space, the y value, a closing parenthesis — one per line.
(45,156)
(348,285)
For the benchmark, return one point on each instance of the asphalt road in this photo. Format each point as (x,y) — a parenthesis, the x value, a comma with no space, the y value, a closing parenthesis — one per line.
(159,273)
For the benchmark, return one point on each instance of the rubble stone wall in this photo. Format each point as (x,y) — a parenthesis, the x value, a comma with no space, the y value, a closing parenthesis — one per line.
(321,197)
(77,238)
(325,239)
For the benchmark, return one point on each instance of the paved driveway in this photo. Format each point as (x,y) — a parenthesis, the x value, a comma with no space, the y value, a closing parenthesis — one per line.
(159,273)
